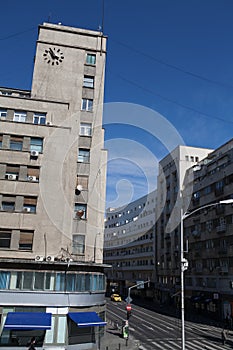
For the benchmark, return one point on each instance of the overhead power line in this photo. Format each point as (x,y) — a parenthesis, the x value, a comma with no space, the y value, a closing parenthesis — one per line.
(207,115)
(173,66)
(17,34)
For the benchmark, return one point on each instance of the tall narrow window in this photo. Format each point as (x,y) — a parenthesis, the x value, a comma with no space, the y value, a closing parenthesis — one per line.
(36,144)
(85,129)
(78,244)
(91,59)
(80,210)
(87,105)
(5,239)
(83,155)
(20,116)
(25,240)
(88,81)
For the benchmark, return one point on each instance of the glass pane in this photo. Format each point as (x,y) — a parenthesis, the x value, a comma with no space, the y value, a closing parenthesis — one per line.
(61,330)
(27,280)
(39,280)
(19,280)
(70,282)
(4,280)
(16,145)
(60,281)
(50,332)
(84,104)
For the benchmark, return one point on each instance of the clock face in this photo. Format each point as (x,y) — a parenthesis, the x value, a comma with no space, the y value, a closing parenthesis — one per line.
(53,56)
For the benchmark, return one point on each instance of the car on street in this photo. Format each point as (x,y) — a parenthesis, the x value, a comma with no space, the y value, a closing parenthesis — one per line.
(116,297)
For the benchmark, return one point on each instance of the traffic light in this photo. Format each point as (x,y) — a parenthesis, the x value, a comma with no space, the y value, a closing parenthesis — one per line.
(128,309)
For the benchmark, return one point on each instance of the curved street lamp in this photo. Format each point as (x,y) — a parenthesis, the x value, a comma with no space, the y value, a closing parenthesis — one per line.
(184,262)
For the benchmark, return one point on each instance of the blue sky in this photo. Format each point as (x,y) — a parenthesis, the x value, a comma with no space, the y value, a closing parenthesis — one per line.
(173,57)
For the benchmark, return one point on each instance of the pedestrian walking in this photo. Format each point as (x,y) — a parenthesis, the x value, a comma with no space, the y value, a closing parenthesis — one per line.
(223,336)
(32,344)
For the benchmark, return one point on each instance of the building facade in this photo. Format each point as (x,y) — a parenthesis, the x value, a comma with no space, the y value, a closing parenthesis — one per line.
(172,170)
(209,278)
(52,195)
(129,246)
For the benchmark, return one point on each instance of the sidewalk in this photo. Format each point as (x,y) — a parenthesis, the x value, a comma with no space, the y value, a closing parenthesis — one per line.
(113,340)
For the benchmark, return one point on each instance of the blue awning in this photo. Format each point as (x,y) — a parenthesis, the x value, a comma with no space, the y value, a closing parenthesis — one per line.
(86,319)
(28,320)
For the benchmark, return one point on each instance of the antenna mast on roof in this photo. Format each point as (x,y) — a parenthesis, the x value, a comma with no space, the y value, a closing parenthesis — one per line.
(102,29)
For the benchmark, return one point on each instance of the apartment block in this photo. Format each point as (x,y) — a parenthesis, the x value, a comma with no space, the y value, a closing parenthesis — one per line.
(52,195)
(129,246)
(170,181)
(209,278)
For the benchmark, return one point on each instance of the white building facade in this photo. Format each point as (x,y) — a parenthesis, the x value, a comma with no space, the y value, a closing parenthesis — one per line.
(52,195)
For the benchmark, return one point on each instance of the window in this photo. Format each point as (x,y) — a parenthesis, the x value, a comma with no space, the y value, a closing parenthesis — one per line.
(3,113)
(85,129)
(25,240)
(82,181)
(78,244)
(29,204)
(20,116)
(36,144)
(5,239)
(6,93)
(33,173)
(90,58)
(39,118)
(8,204)
(84,155)
(80,210)
(27,280)
(88,81)
(87,105)
(16,143)
(4,280)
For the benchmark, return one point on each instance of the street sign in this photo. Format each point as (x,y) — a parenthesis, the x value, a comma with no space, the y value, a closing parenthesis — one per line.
(128,300)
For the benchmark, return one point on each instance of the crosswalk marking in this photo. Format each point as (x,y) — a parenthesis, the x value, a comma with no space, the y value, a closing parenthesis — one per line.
(189,345)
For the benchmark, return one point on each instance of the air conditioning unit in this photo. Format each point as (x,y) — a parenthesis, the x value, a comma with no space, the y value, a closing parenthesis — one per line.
(26,210)
(39,258)
(34,153)
(11,177)
(32,178)
(50,258)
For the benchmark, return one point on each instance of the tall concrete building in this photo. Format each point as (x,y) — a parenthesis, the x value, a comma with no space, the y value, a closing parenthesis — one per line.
(172,170)
(209,278)
(129,245)
(52,195)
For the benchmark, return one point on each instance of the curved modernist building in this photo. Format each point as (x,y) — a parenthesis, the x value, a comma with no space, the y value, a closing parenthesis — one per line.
(129,245)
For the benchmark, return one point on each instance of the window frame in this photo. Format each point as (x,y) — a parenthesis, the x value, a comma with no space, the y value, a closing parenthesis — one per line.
(41,117)
(20,116)
(84,155)
(85,129)
(91,59)
(87,104)
(89,81)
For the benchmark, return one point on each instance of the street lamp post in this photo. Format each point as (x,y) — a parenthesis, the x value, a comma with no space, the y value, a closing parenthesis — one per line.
(184,262)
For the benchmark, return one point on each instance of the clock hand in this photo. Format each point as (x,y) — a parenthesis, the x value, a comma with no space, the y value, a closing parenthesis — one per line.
(53,54)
